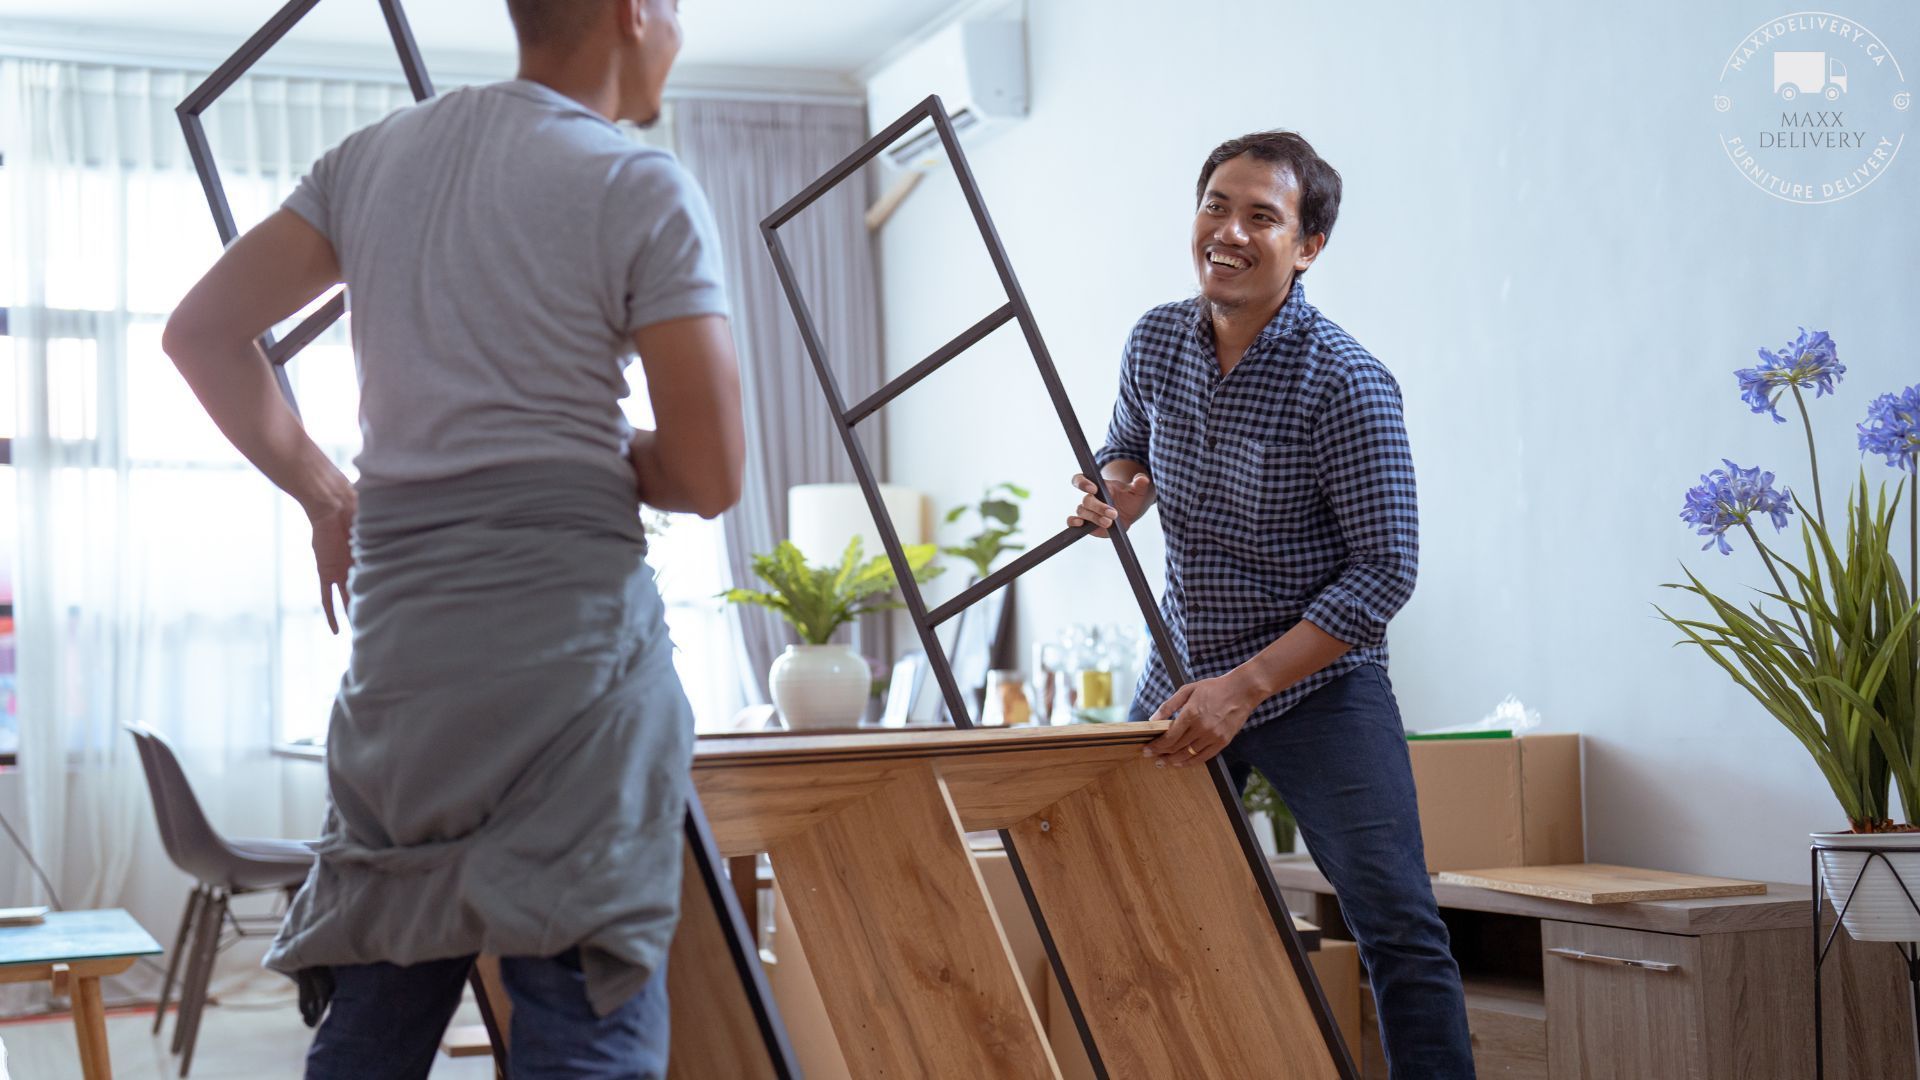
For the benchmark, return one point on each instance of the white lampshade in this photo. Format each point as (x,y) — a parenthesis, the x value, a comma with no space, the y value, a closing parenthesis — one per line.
(821,518)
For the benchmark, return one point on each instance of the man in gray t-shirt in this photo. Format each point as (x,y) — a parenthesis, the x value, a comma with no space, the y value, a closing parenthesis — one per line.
(508,751)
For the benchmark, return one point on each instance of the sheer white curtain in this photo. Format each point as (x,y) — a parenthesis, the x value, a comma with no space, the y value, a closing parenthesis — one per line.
(160,580)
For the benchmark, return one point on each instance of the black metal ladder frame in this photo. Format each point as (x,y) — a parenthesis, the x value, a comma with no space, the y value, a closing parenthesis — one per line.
(926,622)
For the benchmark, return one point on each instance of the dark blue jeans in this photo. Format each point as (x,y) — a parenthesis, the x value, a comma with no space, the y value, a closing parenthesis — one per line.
(1339,761)
(385,1023)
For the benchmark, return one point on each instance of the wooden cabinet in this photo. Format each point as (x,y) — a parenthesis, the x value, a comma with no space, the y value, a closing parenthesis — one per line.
(1715,989)
(1622,1004)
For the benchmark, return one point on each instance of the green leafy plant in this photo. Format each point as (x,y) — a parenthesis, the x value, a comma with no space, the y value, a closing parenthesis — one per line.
(1839,670)
(1260,797)
(999,514)
(818,600)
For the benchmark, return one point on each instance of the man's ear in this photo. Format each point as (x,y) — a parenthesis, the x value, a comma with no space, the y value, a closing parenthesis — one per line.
(1309,251)
(632,18)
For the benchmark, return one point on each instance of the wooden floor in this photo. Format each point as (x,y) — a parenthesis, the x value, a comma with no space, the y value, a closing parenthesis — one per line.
(236,1043)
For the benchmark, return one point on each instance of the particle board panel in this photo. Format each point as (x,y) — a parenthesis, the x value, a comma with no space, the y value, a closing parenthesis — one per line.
(1164,934)
(905,946)
(1782,907)
(1601,883)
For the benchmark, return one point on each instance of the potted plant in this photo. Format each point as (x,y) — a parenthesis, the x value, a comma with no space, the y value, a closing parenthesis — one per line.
(1831,650)
(815,683)
(999,522)
(1259,797)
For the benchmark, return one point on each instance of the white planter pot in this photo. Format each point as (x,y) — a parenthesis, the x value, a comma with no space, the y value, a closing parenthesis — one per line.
(820,686)
(1880,909)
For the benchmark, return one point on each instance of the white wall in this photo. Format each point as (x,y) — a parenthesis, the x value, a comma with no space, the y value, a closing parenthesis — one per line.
(1542,238)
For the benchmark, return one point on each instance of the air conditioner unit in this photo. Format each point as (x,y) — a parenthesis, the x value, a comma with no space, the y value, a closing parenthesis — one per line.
(978,68)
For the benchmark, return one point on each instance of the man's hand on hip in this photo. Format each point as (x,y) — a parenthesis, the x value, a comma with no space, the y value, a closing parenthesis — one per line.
(1131,496)
(1206,716)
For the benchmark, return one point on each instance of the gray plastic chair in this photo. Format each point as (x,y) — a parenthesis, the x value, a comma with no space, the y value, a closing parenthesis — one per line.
(222,868)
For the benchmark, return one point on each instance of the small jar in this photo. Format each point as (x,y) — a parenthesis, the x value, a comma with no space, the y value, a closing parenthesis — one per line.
(1008,703)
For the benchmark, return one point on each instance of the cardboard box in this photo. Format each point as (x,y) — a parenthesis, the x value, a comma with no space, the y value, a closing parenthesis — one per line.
(1500,802)
(1337,965)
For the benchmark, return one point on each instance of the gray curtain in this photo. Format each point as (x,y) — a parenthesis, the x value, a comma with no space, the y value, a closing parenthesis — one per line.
(751,157)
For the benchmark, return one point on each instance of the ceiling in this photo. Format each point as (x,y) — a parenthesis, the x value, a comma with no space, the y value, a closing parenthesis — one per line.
(719,33)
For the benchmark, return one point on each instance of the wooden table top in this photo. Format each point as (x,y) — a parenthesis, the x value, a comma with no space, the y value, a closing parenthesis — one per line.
(864,743)
(68,936)
(1782,907)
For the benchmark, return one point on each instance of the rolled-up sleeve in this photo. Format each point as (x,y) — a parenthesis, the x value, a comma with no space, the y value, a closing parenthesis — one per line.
(1129,430)
(1365,467)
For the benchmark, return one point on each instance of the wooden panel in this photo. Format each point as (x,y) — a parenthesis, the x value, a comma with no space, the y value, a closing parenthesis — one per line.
(875,743)
(1601,883)
(1867,1010)
(1508,1022)
(714,1032)
(18,973)
(1783,907)
(904,945)
(750,809)
(1759,1008)
(1163,933)
(992,791)
(1608,1022)
(815,1049)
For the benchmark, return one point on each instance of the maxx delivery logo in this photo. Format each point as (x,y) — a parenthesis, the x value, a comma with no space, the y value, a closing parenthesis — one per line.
(1813,107)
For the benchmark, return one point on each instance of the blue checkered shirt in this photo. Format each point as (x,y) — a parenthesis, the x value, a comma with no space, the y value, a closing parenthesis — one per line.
(1285,489)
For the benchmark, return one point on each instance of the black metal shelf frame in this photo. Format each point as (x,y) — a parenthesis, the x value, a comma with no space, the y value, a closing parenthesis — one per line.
(281,350)
(925,621)
(1823,942)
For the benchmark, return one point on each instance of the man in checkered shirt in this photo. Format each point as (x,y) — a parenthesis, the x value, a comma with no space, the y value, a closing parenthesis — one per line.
(1276,451)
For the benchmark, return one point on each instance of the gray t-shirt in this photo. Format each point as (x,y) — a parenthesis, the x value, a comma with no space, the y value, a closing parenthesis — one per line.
(500,246)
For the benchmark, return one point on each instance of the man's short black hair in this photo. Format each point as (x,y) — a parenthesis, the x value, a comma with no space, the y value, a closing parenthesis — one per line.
(540,23)
(1319,183)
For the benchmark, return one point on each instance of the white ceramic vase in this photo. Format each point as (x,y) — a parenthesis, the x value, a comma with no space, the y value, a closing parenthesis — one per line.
(1880,910)
(820,686)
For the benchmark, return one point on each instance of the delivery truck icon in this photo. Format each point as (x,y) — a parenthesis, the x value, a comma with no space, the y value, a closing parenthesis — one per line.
(1796,73)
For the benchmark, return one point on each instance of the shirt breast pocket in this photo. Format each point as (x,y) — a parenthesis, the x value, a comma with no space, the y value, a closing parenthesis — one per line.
(1279,491)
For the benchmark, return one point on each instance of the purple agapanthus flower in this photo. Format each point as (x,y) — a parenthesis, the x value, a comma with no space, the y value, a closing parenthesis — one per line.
(1811,363)
(1732,496)
(1893,428)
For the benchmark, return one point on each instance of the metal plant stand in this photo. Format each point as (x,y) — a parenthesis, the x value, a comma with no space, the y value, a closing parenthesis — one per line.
(1823,943)
(699,838)
(926,621)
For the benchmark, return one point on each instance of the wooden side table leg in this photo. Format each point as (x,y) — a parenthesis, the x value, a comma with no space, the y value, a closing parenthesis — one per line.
(90,1028)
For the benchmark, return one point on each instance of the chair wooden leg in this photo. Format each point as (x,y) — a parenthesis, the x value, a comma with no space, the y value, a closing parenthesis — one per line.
(173,961)
(213,915)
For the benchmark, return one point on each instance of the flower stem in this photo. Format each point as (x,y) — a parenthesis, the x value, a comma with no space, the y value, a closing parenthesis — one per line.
(1913,538)
(1765,557)
(1813,459)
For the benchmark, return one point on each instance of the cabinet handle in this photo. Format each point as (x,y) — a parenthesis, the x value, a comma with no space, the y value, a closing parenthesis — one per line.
(1615,961)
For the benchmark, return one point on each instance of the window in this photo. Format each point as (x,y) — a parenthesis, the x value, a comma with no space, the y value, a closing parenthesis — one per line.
(689,557)
(199,573)
(9,699)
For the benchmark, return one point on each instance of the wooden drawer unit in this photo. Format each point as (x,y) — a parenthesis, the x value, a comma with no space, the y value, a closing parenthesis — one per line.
(1622,1004)
(1706,989)
(1639,1005)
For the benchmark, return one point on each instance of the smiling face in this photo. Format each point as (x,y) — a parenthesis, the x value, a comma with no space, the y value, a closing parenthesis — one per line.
(1247,242)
